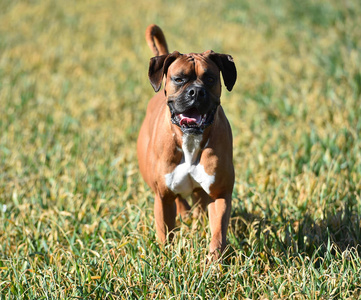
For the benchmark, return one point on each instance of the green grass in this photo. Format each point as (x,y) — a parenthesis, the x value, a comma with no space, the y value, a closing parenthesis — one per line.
(76,219)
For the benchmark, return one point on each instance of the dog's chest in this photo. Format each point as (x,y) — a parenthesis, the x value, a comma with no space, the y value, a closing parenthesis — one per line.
(189,174)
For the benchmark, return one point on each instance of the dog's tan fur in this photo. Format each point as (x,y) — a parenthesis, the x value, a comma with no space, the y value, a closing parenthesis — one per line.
(164,146)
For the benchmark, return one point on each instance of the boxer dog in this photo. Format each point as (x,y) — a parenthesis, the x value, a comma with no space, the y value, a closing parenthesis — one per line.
(185,142)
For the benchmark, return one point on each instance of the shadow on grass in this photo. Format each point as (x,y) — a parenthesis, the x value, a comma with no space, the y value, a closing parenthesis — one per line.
(306,237)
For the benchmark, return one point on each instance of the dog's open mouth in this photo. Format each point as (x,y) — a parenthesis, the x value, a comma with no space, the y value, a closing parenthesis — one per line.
(191,121)
(191,118)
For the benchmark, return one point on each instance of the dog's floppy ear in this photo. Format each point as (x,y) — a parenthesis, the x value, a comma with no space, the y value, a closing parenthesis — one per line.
(226,65)
(158,66)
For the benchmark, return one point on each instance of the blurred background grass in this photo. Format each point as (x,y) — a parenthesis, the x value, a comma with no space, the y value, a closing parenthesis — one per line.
(76,218)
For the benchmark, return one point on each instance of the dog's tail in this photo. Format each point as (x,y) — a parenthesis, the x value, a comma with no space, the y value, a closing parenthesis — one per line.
(156,40)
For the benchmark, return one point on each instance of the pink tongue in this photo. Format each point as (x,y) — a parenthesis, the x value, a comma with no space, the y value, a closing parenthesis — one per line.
(191,119)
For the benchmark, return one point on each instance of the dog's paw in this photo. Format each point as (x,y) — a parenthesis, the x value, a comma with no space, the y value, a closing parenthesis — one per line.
(215,255)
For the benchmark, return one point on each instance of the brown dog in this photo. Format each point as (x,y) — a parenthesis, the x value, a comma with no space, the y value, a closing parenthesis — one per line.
(185,143)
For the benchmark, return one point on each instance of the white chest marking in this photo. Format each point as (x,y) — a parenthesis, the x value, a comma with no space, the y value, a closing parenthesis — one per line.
(189,174)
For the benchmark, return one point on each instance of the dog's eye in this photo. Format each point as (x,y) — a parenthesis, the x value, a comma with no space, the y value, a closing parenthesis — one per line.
(178,80)
(210,80)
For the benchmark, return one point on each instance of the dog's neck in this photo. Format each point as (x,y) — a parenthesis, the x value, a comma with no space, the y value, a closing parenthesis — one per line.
(191,147)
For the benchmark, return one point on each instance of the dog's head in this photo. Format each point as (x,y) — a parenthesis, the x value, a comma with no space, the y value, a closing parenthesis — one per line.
(192,86)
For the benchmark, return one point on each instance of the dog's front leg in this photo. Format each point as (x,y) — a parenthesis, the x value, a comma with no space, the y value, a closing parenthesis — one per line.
(165,211)
(219,212)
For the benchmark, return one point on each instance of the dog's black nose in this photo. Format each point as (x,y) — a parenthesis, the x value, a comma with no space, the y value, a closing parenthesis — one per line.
(197,93)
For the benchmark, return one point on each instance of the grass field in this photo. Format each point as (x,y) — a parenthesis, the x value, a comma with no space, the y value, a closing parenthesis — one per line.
(76,219)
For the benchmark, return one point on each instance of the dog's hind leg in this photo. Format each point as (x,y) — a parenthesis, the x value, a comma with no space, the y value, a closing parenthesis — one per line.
(200,200)
(183,207)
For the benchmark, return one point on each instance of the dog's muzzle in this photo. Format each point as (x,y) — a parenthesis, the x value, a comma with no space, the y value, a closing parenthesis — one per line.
(191,121)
